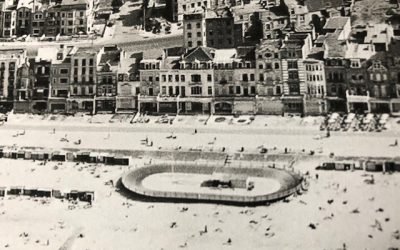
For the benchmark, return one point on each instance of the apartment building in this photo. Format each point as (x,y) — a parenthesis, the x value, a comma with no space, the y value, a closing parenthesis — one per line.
(149,73)
(193,30)
(60,79)
(214,29)
(128,87)
(107,78)
(43,17)
(10,61)
(24,9)
(294,51)
(8,18)
(269,76)
(83,79)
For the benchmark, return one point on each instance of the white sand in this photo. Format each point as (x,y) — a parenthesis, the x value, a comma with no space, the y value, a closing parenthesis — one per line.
(116,222)
(111,224)
(191,183)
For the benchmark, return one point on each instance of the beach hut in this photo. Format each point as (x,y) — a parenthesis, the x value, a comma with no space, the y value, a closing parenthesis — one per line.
(121,160)
(328,166)
(6,152)
(15,190)
(373,166)
(40,155)
(57,194)
(29,191)
(70,156)
(28,155)
(87,196)
(35,155)
(58,156)
(20,154)
(72,195)
(46,154)
(43,192)
(14,154)
(83,157)
(93,157)
(2,191)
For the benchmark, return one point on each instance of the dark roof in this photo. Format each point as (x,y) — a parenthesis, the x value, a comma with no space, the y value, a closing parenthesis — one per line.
(199,53)
(111,57)
(317,5)
(246,53)
(175,51)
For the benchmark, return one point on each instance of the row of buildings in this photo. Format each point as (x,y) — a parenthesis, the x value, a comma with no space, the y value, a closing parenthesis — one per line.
(340,70)
(46,17)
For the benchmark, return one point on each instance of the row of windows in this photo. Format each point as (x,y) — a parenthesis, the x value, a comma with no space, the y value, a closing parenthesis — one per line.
(189,26)
(91,62)
(314,78)
(268,66)
(83,90)
(315,67)
(193,5)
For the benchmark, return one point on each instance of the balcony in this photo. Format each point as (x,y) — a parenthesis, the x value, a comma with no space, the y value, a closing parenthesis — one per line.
(357,98)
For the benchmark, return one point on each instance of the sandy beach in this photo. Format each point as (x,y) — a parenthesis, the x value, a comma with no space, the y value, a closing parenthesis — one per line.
(340,210)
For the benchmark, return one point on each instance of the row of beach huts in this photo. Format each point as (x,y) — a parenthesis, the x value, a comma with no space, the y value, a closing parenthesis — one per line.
(370,165)
(49,155)
(85,196)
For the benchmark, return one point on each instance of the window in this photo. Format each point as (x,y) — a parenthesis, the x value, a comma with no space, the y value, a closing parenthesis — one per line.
(293,75)
(209,90)
(260,66)
(252,90)
(238,90)
(292,65)
(170,90)
(137,90)
(189,35)
(163,90)
(164,78)
(189,26)
(184,7)
(252,77)
(198,25)
(169,78)
(63,71)
(190,44)
(278,90)
(176,78)
(261,77)
(196,90)
(196,78)
(198,34)
(231,90)
(83,62)
(91,62)
(63,80)
(182,78)
(199,43)
(268,66)
(245,78)
(209,78)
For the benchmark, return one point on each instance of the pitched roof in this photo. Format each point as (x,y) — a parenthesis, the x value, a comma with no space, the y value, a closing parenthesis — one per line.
(317,5)
(337,22)
(199,54)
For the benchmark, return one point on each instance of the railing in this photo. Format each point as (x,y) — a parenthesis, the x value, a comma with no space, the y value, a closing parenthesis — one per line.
(290,183)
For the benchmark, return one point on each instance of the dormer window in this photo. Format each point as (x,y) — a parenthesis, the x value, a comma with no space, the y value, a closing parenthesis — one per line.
(355,64)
